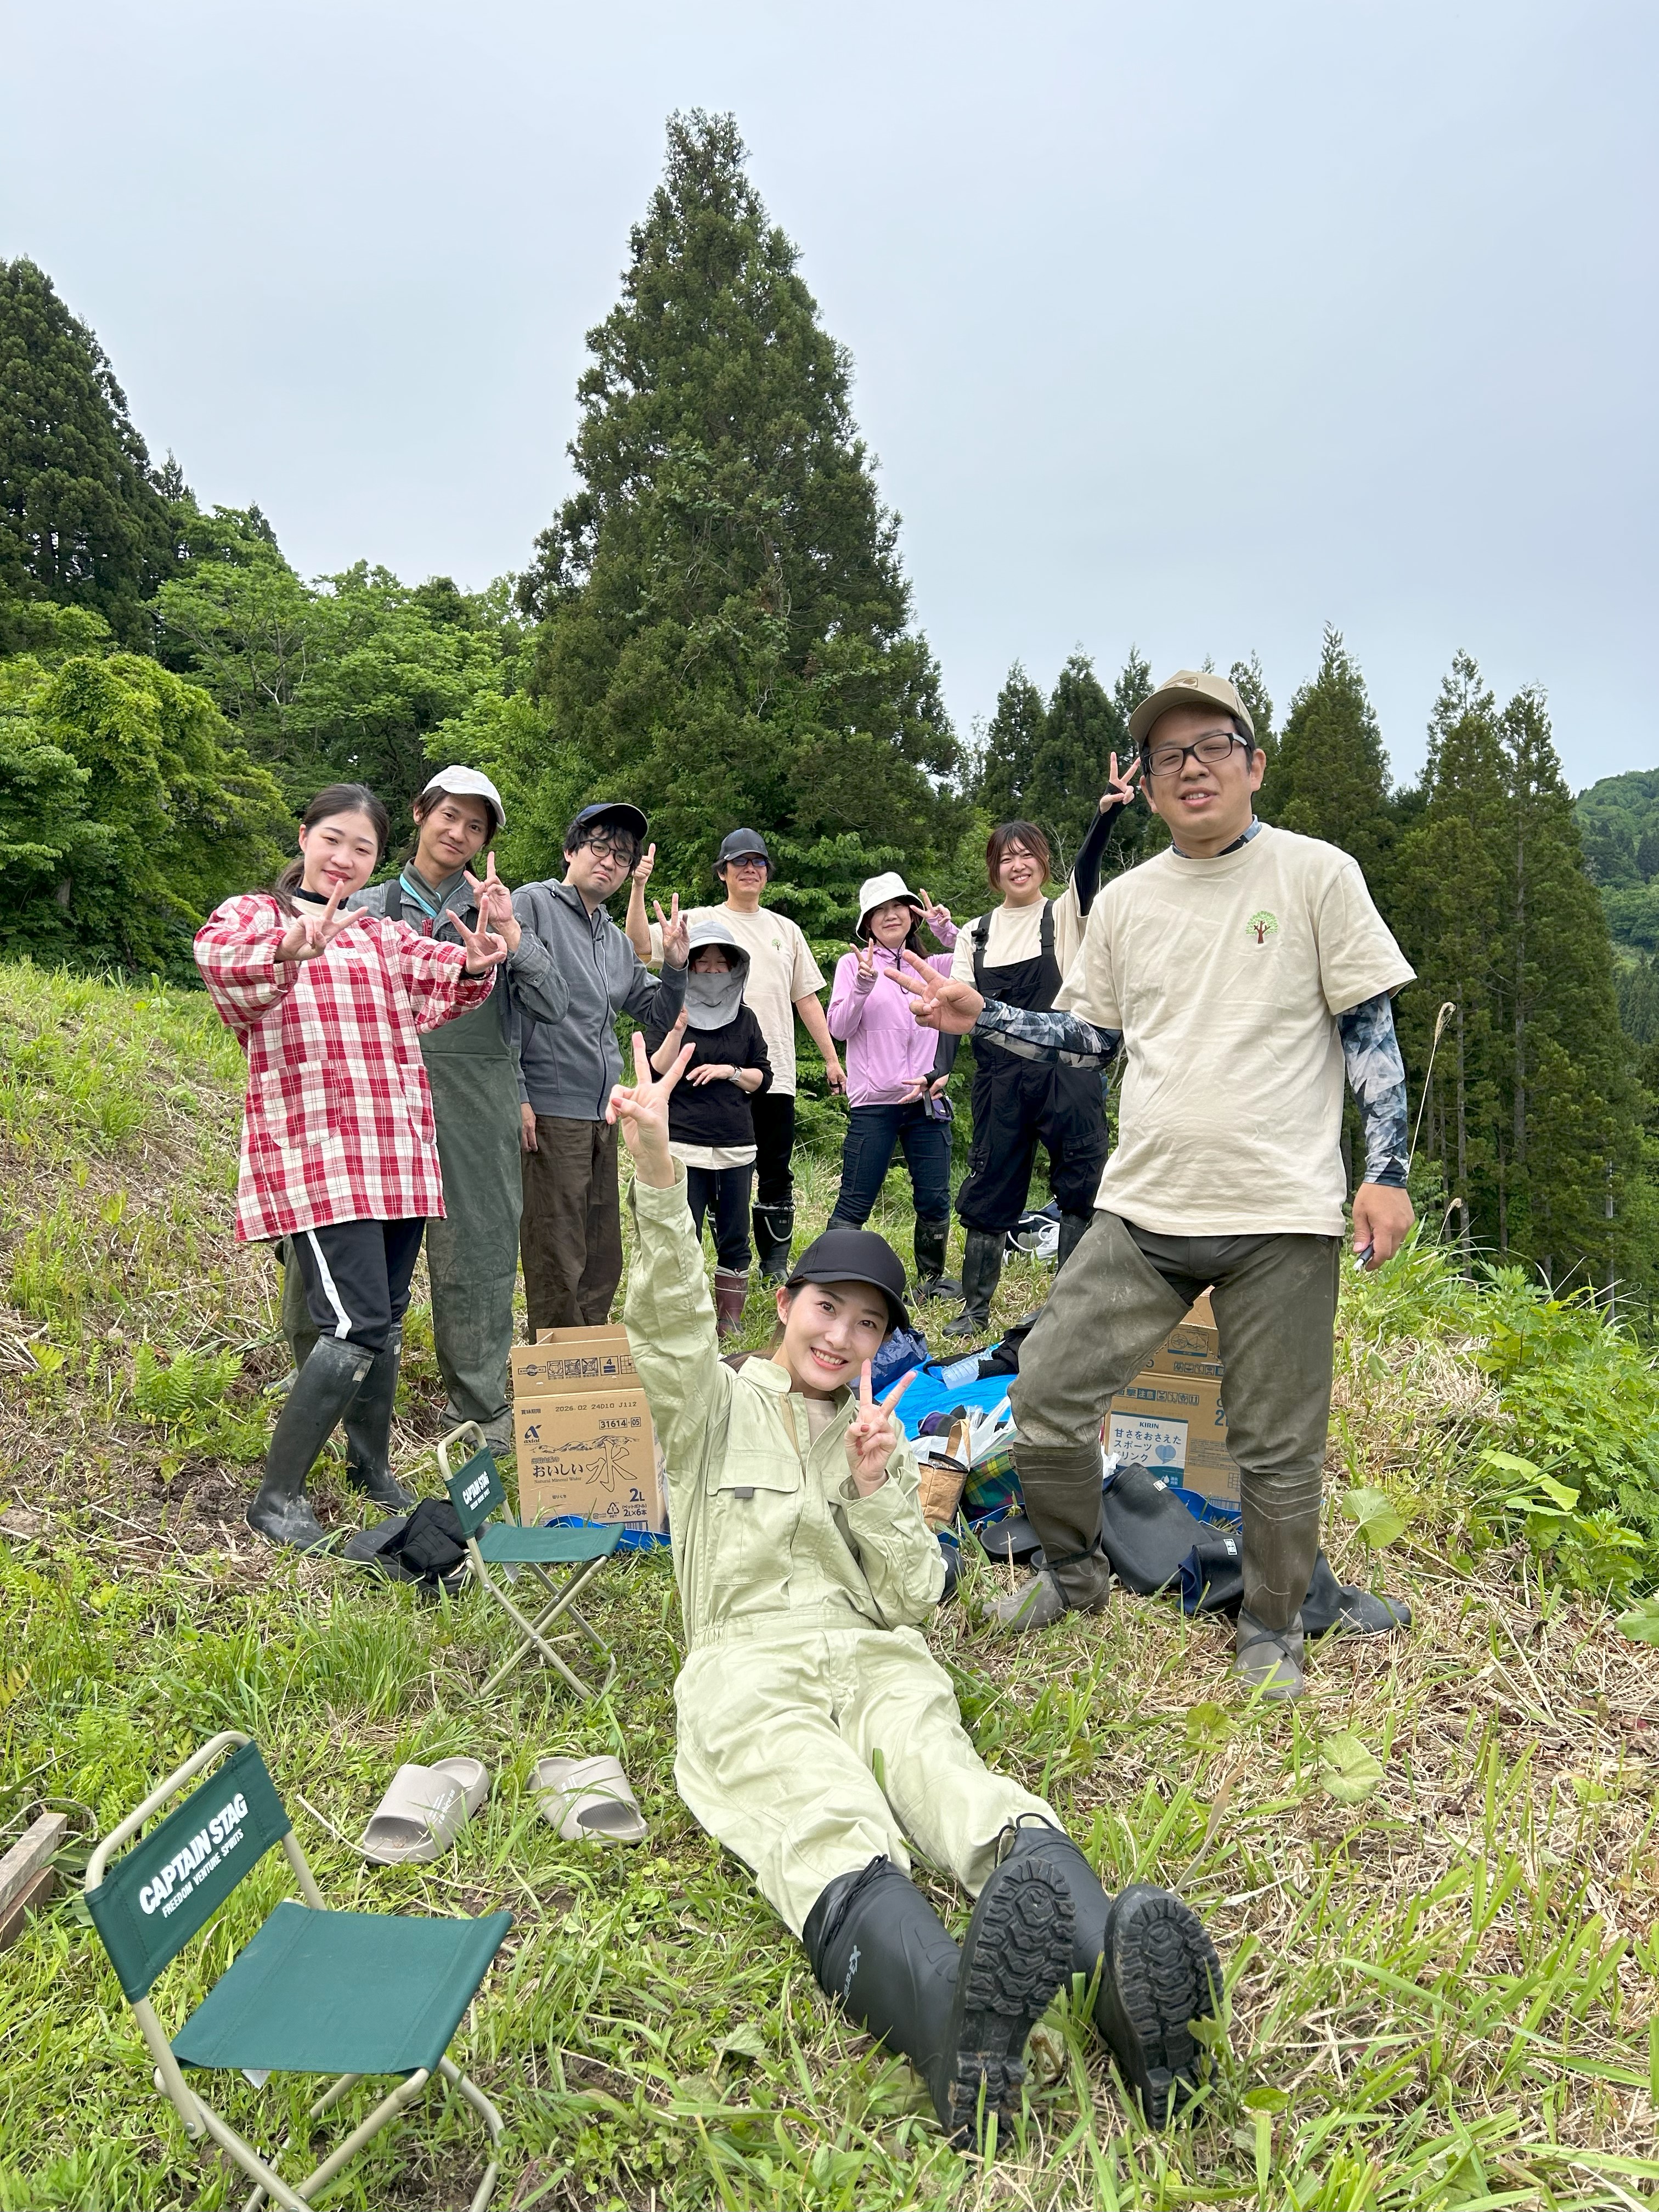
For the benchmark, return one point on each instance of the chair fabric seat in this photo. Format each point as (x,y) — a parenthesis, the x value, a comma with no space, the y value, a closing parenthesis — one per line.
(505,1546)
(342,1993)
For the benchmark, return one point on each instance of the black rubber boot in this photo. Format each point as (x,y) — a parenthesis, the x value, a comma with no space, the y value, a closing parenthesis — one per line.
(1159,1970)
(962,2017)
(1072,1228)
(982,1271)
(323,1389)
(932,1239)
(775,1231)
(368,1430)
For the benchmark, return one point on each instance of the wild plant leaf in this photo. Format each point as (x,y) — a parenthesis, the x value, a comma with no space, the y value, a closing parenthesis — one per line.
(1348,1769)
(1264,2100)
(746,2041)
(1374,1510)
(1207,1725)
(1508,1463)
(1641,1623)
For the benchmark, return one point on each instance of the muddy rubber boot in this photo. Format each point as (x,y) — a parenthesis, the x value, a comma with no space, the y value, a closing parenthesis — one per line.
(1061,1486)
(323,1389)
(1071,1229)
(962,2017)
(1269,1660)
(932,1238)
(775,1231)
(1159,1970)
(982,1271)
(731,1289)
(368,1430)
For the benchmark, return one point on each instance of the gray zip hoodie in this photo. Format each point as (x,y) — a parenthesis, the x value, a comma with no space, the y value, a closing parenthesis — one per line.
(566,1067)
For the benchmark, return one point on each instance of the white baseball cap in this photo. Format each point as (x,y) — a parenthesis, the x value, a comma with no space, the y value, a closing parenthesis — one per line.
(467,783)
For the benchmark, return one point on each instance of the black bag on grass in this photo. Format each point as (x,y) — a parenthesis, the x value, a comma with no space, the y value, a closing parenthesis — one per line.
(425,1547)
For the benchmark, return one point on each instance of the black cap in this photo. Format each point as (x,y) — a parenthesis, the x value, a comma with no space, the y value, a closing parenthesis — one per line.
(855,1255)
(612,809)
(740,843)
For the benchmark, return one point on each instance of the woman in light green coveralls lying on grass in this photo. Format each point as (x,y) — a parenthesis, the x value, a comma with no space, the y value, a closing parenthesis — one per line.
(817,1738)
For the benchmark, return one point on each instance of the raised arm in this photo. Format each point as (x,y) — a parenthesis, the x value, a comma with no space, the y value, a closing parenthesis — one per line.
(958,1010)
(637,927)
(240,951)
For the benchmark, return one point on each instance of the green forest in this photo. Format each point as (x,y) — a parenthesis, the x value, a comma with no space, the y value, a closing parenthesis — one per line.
(717,623)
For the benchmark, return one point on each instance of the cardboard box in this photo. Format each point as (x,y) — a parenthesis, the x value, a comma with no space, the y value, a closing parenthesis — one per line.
(573,1359)
(591,1454)
(1174,1423)
(1193,1347)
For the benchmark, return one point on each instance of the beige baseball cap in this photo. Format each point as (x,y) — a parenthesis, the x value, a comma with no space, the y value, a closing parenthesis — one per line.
(1188,687)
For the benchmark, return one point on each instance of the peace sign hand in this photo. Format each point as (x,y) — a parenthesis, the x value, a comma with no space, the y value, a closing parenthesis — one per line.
(866,959)
(1120,789)
(676,929)
(311,933)
(873,1436)
(494,906)
(640,1112)
(933,914)
(483,950)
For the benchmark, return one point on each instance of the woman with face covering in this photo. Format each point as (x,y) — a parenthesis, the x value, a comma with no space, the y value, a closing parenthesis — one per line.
(338,1151)
(816,1736)
(894,1086)
(710,1131)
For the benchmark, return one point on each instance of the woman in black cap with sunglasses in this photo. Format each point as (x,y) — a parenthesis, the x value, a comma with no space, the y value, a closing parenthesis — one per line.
(817,1738)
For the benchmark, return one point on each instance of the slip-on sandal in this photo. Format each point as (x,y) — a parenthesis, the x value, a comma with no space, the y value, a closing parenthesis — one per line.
(589,1801)
(424,1811)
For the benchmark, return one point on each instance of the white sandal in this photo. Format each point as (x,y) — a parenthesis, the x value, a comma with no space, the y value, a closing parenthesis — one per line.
(589,1801)
(423,1811)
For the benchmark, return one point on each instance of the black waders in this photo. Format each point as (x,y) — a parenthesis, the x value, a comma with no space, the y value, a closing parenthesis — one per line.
(322,1391)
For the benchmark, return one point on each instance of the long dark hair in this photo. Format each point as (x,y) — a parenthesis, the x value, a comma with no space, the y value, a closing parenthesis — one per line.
(334,798)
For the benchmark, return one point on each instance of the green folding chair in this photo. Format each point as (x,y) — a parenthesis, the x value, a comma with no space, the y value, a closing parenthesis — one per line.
(314,1992)
(476,1492)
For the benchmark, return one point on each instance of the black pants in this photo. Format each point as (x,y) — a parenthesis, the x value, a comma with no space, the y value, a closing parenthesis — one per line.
(725,1193)
(357,1276)
(775,1141)
(872,1132)
(1019,1103)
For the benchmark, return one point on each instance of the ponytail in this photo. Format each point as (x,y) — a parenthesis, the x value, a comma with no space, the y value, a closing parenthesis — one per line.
(334,798)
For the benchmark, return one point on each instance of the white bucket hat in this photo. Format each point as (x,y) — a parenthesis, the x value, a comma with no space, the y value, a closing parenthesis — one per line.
(466,783)
(880,890)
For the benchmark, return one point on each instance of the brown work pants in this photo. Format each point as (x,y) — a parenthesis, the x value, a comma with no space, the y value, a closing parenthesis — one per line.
(1114,1303)
(570,1233)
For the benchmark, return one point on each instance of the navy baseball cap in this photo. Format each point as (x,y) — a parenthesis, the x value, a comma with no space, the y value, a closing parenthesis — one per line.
(611,810)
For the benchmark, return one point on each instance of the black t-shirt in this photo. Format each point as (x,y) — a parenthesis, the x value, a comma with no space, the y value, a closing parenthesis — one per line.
(716,1113)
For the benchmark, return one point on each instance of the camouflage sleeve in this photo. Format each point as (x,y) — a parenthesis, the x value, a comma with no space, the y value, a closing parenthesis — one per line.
(1056,1031)
(1377,1075)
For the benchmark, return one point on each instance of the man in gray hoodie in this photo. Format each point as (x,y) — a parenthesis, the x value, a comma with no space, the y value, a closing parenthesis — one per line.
(570,1236)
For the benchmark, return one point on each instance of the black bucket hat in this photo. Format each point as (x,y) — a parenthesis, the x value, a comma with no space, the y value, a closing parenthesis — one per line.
(855,1255)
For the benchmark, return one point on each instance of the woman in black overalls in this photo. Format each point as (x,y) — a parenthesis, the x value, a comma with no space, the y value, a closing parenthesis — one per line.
(1024,1096)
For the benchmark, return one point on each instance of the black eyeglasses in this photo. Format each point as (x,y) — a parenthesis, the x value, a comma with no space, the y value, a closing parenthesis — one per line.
(1212,748)
(604,847)
(746,860)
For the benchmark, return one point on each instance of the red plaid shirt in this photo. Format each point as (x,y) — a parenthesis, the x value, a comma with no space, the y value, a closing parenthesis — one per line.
(336,1124)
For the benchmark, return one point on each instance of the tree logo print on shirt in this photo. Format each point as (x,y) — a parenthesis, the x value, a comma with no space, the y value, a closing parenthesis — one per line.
(1264,925)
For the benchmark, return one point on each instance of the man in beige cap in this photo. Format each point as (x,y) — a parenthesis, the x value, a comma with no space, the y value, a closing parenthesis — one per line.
(1237,972)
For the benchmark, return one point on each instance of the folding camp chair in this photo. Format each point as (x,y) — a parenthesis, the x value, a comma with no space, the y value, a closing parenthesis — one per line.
(314,1992)
(474,1491)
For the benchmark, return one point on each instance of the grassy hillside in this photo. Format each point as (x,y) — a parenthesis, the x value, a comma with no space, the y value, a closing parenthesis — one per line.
(1432,1884)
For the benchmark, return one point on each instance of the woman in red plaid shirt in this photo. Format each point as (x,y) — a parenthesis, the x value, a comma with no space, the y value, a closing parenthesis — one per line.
(339,1153)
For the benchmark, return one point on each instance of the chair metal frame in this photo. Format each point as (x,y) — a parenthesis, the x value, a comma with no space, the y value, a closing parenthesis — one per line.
(562,1597)
(198,2116)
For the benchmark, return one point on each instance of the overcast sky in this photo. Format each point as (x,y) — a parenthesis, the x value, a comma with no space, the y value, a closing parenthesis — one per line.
(1194,327)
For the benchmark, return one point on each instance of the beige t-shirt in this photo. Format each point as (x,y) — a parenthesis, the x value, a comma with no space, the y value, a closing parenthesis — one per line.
(1227,977)
(781,969)
(1017,934)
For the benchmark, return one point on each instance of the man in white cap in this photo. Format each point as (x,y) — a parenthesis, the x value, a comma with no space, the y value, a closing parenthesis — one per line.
(1237,972)
(472,1068)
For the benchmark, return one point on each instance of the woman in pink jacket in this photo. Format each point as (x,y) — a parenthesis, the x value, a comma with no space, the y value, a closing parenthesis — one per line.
(893,1086)
(338,1153)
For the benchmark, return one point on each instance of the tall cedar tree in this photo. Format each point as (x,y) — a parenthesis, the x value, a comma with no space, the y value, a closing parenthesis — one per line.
(1330,777)
(1532,1113)
(1083,729)
(1008,763)
(81,521)
(725,625)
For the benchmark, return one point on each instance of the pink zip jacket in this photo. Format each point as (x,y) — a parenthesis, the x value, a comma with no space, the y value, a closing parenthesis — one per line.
(886,1051)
